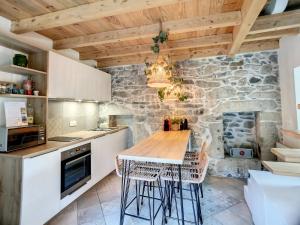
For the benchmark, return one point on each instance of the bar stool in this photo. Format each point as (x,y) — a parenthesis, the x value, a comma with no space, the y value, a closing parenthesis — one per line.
(192,158)
(191,174)
(148,173)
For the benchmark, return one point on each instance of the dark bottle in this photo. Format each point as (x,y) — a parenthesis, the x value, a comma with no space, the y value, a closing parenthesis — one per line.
(185,125)
(166,125)
(181,125)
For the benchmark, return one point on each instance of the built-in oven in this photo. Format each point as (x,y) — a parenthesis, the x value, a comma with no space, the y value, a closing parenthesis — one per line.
(75,168)
(14,138)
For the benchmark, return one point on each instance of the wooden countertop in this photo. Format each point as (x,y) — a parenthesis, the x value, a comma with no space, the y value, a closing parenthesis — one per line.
(55,145)
(287,154)
(283,168)
(161,147)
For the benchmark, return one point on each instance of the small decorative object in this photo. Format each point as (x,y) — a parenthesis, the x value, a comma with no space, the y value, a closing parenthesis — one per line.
(2,88)
(20,60)
(15,89)
(27,85)
(241,153)
(30,114)
(21,91)
(167,124)
(185,124)
(36,93)
(175,123)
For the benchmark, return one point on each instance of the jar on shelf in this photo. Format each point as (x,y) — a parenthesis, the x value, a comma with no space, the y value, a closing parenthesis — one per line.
(2,88)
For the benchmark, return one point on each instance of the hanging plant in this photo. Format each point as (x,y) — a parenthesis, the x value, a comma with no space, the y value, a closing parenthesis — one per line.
(159,39)
(160,73)
(173,92)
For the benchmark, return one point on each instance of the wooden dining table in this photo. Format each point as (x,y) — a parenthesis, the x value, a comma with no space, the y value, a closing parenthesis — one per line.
(162,147)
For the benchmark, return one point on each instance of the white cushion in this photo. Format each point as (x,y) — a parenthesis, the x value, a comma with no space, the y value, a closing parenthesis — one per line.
(273,199)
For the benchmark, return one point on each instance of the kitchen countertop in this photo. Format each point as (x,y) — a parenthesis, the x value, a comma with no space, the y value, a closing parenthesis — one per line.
(55,145)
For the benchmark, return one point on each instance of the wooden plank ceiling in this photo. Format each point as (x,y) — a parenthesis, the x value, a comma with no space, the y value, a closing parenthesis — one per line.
(120,32)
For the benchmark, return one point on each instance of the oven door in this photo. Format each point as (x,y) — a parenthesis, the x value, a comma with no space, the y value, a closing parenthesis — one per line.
(75,172)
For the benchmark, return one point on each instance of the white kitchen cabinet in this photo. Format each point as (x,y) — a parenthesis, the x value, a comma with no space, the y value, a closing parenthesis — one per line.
(104,151)
(40,188)
(71,79)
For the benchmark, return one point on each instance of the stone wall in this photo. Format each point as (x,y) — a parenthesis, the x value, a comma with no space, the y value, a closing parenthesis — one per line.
(245,83)
(239,131)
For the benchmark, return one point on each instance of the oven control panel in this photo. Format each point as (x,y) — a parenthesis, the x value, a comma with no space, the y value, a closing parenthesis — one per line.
(76,151)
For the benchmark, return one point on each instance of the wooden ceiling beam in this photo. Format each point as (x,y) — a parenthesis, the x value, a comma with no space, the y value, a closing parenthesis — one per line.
(175,56)
(177,26)
(281,21)
(250,11)
(86,12)
(178,55)
(204,41)
(272,34)
(259,46)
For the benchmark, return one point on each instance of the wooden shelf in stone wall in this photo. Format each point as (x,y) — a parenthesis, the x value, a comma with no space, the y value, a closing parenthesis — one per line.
(291,133)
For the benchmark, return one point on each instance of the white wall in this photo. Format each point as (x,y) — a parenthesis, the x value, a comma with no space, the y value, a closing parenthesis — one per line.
(289,59)
(297,90)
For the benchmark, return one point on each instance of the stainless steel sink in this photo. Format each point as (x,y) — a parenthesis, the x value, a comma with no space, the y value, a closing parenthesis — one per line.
(104,129)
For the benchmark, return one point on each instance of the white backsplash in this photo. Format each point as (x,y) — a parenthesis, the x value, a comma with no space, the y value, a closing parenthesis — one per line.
(61,113)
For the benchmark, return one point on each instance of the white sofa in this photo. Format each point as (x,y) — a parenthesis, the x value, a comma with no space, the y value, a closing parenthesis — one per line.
(273,199)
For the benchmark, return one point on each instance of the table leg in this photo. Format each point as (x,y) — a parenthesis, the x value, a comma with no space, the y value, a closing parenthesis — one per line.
(124,189)
(190,144)
(181,196)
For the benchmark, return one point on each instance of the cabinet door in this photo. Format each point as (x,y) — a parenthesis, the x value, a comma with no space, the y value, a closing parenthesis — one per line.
(55,75)
(71,79)
(104,84)
(100,158)
(61,76)
(104,151)
(40,188)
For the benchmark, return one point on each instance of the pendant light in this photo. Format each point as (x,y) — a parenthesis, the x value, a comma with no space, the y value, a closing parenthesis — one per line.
(159,73)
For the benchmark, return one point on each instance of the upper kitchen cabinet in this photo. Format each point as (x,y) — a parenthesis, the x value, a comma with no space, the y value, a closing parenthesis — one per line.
(73,80)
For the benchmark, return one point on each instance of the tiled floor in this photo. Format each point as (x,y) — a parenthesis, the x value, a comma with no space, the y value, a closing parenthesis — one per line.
(223,204)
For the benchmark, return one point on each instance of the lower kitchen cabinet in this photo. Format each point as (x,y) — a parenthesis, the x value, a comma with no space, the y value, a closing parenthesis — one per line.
(104,151)
(40,188)
(30,187)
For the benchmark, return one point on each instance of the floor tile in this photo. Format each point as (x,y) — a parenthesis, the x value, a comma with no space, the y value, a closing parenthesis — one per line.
(223,204)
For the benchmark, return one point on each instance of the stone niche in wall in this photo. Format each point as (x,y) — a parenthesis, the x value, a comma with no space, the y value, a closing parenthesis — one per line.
(240,134)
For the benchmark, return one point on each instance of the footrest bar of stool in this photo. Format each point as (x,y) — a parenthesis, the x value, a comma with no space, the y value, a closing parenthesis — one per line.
(130,203)
(135,216)
(173,218)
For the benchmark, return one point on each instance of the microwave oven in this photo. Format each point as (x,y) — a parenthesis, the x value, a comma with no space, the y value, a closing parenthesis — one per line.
(15,138)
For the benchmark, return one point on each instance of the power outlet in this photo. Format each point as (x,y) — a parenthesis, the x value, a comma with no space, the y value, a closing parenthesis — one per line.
(73,123)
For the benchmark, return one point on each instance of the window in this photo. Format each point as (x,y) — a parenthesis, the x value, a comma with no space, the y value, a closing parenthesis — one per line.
(297,93)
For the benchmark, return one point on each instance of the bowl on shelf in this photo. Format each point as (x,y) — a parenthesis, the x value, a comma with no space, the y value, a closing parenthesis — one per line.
(20,60)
